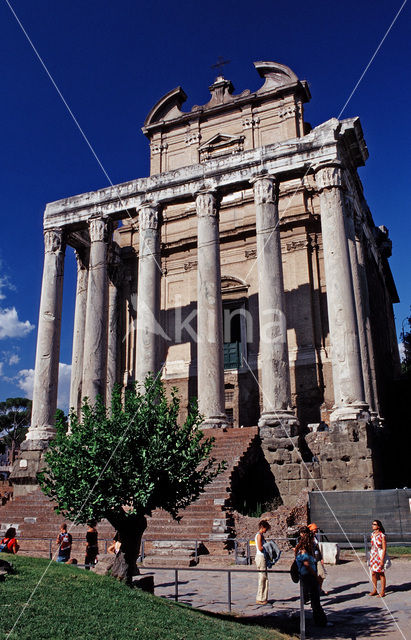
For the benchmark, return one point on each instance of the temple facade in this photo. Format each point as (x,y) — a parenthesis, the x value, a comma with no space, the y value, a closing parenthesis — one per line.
(246,271)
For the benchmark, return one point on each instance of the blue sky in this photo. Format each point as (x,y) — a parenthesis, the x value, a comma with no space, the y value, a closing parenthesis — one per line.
(113,60)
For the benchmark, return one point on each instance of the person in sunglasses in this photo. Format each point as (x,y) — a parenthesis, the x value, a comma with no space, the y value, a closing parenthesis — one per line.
(377,558)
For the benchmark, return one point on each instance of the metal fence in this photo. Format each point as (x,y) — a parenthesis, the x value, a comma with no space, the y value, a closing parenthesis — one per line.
(240,546)
(356,510)
(229,573)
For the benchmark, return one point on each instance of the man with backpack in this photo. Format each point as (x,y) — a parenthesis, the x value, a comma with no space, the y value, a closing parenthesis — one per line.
(64,541)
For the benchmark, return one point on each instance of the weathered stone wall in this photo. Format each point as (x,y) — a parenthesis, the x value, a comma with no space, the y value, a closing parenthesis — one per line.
(321,460)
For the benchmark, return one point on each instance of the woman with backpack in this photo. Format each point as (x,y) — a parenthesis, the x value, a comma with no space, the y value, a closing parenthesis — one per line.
(10,544)
(307,567)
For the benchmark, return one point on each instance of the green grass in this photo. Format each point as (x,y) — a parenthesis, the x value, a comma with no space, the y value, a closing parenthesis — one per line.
(392,550)
(398,551)
(73,604)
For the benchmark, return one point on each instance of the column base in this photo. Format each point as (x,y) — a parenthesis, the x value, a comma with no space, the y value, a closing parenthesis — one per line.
(285,421)
(30,459)
(357,411)
(39,437)
(219,422)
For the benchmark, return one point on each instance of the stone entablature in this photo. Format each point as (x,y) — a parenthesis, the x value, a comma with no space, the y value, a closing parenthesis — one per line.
(296,157)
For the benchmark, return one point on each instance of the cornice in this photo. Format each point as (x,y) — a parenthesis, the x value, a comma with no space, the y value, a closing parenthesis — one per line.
(291,158)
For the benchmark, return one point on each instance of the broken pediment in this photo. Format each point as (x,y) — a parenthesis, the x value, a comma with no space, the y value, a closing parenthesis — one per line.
(167,108)
(276,77)
(221,144)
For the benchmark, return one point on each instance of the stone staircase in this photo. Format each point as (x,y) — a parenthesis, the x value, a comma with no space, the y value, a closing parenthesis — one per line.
(36,522)
(208,520)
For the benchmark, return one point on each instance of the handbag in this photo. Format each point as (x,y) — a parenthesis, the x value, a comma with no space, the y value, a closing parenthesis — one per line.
(387,559)
(294,573)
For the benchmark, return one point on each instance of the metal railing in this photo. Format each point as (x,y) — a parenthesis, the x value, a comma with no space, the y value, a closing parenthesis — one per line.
(358,540)
(229,573)
(52,542)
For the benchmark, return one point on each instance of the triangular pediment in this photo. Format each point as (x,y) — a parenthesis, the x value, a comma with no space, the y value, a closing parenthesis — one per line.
(221,144)
(221,139)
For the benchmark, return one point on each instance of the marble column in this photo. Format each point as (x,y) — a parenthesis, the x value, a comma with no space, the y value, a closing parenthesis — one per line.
(79,331)
(48,340)
(95,340)
(345,347)
(210,356)
(113,351)
(148,293)
(275,369)
(359,303)
(365,296)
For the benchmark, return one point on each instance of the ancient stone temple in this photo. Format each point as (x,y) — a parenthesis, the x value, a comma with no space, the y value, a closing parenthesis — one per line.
(246,270)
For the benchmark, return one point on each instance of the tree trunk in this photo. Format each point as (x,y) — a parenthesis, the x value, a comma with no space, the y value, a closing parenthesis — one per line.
(130,529)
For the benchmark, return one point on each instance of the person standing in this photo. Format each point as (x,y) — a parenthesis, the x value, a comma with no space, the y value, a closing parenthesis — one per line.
(260,563)
(377,558)
(91,544)
(64,541)
(318,556)
(307,567)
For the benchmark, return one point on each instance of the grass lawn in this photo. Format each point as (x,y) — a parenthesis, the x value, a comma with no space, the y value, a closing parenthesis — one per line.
(393,550)
(73,604)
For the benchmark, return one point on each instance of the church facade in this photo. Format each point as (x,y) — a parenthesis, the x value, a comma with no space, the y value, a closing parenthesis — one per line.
(246,271)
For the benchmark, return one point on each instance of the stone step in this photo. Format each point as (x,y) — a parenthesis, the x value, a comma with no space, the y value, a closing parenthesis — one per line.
(171,561)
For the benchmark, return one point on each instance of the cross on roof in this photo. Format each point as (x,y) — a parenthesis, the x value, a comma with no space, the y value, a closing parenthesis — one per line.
(220,63)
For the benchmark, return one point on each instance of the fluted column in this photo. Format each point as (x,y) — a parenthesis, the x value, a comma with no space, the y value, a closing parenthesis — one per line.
(48,339)
(210,357)
(148,293)
(79,332)
(113,352)
(346,360)
(275,370)
(95,340)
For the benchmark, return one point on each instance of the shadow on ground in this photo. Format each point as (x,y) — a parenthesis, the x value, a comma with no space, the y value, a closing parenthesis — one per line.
(352,623)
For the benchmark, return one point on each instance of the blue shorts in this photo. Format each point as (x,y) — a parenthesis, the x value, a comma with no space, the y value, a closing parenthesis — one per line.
(63,558)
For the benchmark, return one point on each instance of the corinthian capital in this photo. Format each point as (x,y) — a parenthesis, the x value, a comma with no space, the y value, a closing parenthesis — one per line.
(329,176)
(98,229)
(148,217)
(53,241)
(264,189)
(206,204)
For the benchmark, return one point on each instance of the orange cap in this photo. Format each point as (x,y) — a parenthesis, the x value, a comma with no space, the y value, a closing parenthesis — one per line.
(312,526)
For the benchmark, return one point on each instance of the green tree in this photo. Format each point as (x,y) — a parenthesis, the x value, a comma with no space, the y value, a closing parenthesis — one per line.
(124,465)
(15,414)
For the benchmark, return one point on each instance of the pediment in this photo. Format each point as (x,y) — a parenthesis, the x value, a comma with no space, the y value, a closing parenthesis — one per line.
(221,139)
(221,144)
